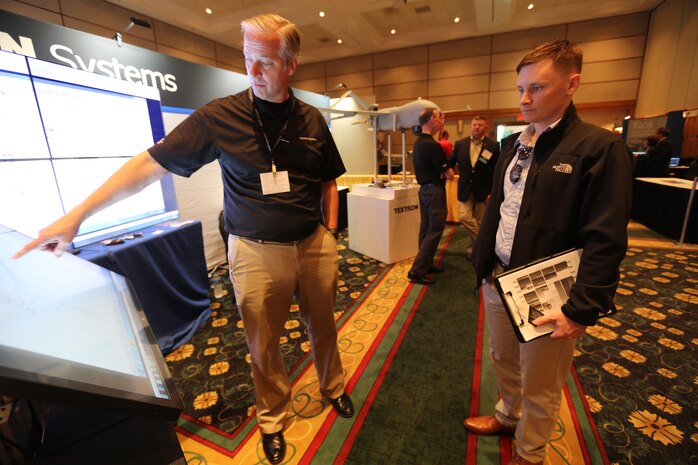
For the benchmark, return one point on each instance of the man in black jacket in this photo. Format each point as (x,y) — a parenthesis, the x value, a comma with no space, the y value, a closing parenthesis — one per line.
(658,158)
(476,157)
(431,170)
(559,184)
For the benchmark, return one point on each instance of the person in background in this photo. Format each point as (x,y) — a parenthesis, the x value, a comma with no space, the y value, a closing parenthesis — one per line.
(559,184)
(279,165)
(476,157)
(657,164)
(445,143)
(431,169)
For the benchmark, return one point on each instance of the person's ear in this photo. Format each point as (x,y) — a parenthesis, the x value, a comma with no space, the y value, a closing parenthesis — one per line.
(291,66)
(573,84)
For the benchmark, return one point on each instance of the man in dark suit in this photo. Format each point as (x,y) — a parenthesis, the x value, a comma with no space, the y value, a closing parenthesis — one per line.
(658,158)
(476,157)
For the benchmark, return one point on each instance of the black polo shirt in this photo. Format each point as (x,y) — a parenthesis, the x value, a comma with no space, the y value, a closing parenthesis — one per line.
(429,160)
(229,131)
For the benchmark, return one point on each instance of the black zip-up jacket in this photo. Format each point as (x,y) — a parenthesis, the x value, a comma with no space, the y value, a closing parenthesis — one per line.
(578,194)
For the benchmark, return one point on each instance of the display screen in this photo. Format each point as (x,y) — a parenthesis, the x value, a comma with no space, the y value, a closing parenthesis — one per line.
(66,133)
(73,330)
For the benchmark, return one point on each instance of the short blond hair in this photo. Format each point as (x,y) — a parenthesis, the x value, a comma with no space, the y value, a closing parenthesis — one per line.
(273,23)
(566,57)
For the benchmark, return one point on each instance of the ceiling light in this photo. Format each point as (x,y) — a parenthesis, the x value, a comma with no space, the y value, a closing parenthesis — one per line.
(322,14)
(339,41)
(456,19)
(208,11)
(393,31)
(530,6)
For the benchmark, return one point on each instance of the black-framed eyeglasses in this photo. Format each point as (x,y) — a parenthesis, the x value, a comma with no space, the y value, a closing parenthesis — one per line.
(523,153)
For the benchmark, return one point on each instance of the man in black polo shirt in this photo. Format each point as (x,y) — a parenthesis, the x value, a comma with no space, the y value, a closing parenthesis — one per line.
(431,169)
(279,164)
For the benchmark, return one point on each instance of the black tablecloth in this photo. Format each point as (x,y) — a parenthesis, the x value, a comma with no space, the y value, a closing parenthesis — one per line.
(663,209)
(168,272)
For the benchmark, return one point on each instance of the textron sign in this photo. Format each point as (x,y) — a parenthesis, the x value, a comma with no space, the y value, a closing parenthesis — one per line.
(181,83)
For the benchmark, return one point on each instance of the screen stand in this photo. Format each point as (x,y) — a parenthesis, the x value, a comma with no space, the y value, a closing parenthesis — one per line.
(81,436)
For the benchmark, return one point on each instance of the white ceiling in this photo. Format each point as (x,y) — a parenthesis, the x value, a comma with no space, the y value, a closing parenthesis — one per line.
(364,25)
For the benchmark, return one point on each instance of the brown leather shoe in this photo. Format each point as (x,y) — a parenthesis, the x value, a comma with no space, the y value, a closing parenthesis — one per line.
(487,426)
(518,460)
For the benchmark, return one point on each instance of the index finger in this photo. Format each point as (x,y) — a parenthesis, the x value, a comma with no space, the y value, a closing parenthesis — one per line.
(27,248)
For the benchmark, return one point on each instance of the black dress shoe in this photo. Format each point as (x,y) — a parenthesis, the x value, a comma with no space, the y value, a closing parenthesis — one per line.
(274,447)
(436,269)
(343,406)
(420,279)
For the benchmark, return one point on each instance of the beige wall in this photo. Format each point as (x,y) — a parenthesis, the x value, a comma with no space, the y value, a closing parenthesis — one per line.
(475,74)
(670,71)
(478,73)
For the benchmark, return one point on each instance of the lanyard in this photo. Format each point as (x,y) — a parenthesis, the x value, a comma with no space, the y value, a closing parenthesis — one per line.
(264,132)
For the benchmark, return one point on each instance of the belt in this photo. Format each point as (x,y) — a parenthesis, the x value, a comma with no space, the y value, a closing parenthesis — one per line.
(501,264)
(430,184)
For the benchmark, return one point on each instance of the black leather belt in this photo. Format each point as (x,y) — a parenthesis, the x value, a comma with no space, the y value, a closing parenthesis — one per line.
(502,264)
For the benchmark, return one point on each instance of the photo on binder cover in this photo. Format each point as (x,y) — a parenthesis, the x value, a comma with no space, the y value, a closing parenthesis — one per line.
(531,291)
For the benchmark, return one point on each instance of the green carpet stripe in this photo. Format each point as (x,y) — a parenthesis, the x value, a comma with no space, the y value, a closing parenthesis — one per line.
(595,454)
(330,448)
(487,446)
(425,393)
(230,443)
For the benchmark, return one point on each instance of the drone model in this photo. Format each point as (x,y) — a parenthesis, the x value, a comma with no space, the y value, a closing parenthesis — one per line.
(390,119)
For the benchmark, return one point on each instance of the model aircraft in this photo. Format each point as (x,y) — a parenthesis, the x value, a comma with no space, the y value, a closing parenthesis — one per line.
(391,119)
(384,119)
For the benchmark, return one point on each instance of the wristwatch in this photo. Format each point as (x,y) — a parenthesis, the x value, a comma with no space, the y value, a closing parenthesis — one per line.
(334,232)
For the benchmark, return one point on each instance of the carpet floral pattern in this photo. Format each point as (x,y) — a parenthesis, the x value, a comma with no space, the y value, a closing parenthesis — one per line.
(212,371)
(638,368)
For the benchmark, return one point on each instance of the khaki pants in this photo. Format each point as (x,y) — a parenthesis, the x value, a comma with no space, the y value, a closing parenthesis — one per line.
(265,277)
(471,213)
(529,376)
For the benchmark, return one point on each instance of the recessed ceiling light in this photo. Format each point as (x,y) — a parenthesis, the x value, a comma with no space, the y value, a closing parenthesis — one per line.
(456,19)
(530,6)
(393,31)
(339,41)
(322,14)
(208,11)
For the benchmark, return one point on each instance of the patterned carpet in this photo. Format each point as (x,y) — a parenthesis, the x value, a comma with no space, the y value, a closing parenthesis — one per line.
(631,400)
(638,369)
(212,370)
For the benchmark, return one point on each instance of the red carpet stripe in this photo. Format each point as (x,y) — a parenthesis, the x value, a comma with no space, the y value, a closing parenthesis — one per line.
(471,454)
(591,420)
(366,407)
(361,416)
(577,426)
(320,437)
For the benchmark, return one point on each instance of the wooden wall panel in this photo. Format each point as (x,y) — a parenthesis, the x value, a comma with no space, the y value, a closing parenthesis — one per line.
(349,65)
(459,67)
(506,61)
(405,56)
(356,80)
(607,91)
(503,99)
(523,41)
(400,74)
(308,71)
(462,48)
(503,81)
(405,91)
(612,70)
(608,28)
(613,49)
(459,85)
